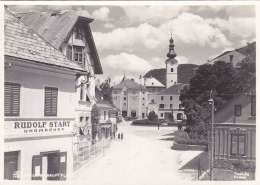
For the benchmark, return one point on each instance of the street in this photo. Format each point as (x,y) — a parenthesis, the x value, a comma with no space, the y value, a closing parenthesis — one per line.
(144,156)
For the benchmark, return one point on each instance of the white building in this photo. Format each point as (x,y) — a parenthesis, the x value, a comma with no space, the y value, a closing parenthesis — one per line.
(69,31)
(40,101)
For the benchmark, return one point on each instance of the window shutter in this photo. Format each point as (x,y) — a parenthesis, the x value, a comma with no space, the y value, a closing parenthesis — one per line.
(51,101)
(12,99)
(37,167)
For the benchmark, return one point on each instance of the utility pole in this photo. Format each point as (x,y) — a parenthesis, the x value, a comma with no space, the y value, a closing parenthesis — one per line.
(211,159)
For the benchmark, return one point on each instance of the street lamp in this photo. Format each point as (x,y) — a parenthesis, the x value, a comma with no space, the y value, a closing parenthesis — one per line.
(211,102)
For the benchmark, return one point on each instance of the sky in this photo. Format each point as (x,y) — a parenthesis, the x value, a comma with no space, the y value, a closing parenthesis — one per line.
(135,39)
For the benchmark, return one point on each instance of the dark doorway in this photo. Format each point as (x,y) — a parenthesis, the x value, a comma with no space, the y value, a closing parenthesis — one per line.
(133,113)
(11,165)
(53,166)
(168,116)
(124,113)
(142,115)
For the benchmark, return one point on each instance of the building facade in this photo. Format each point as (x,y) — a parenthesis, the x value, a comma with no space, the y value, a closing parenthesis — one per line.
(40,98)
(131,98)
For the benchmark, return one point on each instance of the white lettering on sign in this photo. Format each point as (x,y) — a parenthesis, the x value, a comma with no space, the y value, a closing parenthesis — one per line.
(241,175)
(37,127)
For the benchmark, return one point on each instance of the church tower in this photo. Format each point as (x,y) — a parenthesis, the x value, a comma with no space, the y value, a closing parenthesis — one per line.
(171,66)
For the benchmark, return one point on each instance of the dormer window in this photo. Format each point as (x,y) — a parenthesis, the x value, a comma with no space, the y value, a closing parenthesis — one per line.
(78,54)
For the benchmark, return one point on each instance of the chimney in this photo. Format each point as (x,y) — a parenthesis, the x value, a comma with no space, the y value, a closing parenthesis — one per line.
(231,59)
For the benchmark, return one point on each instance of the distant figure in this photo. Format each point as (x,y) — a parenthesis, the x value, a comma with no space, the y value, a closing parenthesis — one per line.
(122,136)
(118,135)
(158,126)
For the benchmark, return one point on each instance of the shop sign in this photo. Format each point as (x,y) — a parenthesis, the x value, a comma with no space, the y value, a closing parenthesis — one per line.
(38,127)
(241,175)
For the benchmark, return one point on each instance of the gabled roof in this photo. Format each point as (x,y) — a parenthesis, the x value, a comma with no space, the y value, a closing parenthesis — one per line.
(22,42)
(159,74)
(173,90)
(130,84)
(153,82)
(56,26)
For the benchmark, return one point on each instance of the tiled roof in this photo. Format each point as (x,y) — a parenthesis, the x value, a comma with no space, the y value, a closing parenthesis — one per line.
(153,82)
(130,84)
(173,90)
(55,28)
(22,42)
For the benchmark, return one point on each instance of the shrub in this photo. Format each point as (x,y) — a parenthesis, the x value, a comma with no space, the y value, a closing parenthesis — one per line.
(184,138)
(152,116)
(145,122)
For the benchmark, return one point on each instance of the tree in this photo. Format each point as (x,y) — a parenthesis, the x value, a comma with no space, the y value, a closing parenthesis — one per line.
(152,116)
(105,91)
(95,118)
(224,80)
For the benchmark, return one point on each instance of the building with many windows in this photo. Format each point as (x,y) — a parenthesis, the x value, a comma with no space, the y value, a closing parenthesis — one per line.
(40,100)
(131,98)
(69,32)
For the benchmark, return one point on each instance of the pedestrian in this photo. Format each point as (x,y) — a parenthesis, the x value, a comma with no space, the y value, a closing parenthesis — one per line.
(122,136)
(158,126)
(119,136)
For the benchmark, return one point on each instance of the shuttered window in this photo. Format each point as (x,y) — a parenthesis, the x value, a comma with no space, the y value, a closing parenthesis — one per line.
(51,100)
(12,99)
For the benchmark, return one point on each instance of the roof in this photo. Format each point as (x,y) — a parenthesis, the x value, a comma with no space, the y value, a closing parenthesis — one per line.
(55,27)
(173,90)
(238,54)
(153,82)
(184,74)
(130,84)
(22,42)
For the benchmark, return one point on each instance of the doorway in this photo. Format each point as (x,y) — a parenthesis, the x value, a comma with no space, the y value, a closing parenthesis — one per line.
(50,166)
(124,113)
(11,160)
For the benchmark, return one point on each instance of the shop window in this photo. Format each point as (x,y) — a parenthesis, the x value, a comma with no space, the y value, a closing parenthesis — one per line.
(11,165)
(78,54)
(237,110)
(161,97)
(51,100)
(12,99)
(69,52)
(170,97)
(238,144)
(253,105)
(161,106)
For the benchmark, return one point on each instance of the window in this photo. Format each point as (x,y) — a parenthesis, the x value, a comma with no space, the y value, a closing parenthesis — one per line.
(51,100)
(161,115)
(161,97)
(143,92)
(237,110)
(238,144)
(124,98)
(124,104)
(81,91)
(78,54)
(152,101)
(170,97)
(105,115)
(81,119)
(143,98)
(161,106)
(143,104)
(171,69)
(12,99)
(253,105)
(69,52)
(115,92)
(87,119)
(180,106)
(170,106)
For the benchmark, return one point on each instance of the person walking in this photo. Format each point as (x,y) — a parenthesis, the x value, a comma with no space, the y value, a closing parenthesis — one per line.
(118,136)
(158,126)
(122,136)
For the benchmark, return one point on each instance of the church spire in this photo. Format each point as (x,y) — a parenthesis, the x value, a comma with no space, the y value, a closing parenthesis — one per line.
(171,53)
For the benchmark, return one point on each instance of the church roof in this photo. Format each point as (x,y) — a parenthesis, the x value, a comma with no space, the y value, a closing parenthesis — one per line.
(173,90)
(153,82)
(55,27)
(22,42)
(130,84)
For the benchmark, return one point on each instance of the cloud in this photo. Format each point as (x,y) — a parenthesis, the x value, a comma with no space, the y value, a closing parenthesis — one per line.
(109,26)
(152,14)
(183,60)
(101,14)
(128,63)
(237,27)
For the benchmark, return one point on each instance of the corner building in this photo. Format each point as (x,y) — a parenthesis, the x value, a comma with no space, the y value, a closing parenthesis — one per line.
(40,98)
